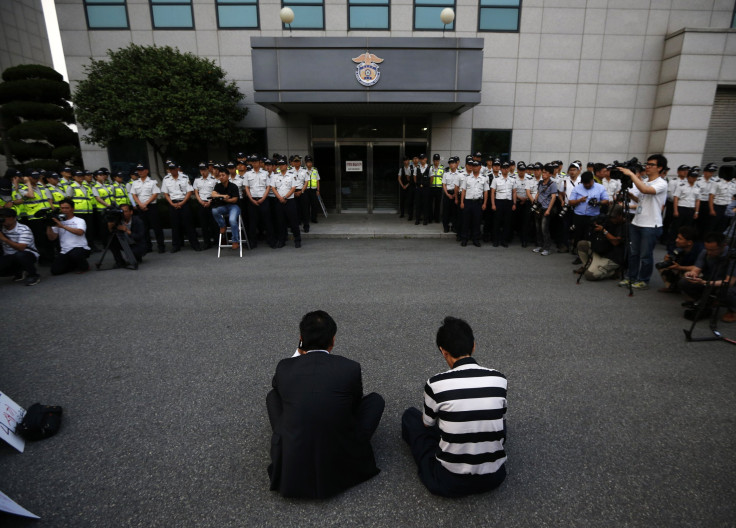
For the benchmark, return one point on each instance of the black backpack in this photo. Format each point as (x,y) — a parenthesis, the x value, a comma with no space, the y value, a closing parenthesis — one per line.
(40,421)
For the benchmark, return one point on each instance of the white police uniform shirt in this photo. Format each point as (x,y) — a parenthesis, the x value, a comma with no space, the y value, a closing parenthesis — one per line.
(177,188)
(566,186)
(521,184)
(69,241)
(533,186)
(283,183)
(238,181)
(450,180)
(257,183)
(705,186)
(300,177)
(504,187)
(205,186)
(474,187)
(462,175)
(144,189)
(270,185)
(722,192)
(672,183)
(612,187)
(687,194)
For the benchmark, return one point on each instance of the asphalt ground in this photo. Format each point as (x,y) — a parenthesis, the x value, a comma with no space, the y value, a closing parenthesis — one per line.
(614,419)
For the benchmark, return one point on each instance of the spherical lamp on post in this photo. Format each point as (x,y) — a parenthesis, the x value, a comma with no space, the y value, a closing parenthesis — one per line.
(447,15)
(287,16)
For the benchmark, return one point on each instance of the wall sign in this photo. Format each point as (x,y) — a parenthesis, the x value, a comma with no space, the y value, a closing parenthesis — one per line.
(353,166)
(367,70)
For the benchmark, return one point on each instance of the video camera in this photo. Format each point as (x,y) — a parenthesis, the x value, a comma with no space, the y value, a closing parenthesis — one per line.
(633,165)
(48,216)
(112,214)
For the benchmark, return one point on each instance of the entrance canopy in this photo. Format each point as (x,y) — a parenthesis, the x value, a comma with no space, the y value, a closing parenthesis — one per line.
(367,75)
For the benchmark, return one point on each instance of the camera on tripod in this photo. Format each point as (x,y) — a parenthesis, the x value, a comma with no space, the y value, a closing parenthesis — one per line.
(48,216)
(112,214)
(633,165)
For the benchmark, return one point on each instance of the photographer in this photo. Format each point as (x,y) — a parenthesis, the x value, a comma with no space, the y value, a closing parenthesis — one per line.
(681,259)
(132,228)
(545,201)
(19,249)
(710,270)
(646,227)
(603,252)
(71,234)
(586,199)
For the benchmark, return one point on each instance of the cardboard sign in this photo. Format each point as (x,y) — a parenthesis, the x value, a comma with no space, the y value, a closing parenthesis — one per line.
(11,414)
(8,505)
(353,166)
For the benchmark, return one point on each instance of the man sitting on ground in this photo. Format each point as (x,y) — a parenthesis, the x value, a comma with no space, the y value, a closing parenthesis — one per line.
(322,424)
(71,234)
(458,442)
(19,249)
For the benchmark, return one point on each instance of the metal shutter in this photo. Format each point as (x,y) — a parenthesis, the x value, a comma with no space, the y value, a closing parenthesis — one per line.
(721,140)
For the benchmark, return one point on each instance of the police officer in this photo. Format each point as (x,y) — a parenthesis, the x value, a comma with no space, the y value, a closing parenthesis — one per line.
(311,200)
(473,201)
(203,187)
(76,191)
(144,192)
(37,200)
(406,188)
(284,186)
(259,206)
(522,184)
(54,189)
(119,193)
(422,201)
(300,179)
(503,204)
(449,196)
(177,190)
(436,172)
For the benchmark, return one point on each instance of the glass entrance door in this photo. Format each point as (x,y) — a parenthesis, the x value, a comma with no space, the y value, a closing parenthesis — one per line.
(368,177)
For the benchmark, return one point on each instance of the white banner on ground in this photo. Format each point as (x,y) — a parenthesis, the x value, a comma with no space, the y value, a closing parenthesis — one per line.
(11,414)
(10,506)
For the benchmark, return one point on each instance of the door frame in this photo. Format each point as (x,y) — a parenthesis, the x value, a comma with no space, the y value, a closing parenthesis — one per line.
(368,144)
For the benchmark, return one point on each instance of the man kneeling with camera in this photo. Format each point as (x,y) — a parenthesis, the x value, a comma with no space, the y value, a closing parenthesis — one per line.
(132,228)
(603,252)
(70,230)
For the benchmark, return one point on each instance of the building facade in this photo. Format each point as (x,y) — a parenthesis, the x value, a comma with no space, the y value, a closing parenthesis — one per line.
(531,80)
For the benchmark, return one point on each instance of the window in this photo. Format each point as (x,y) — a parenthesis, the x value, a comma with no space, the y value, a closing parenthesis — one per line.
(106,14)
(237,14)
(499,15)
(368,14)
(492,143)
(175,14)
(308,14)
(427,14)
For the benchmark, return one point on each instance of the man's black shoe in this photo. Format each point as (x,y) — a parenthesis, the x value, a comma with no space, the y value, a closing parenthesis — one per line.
(416,223)
(464,243)
(504,244)
(446,230)
(197,248)
(175,250)
(161,250)
(280,245)
(688,304)
(306,228)
(425,223)
(495,244)
(297,244)
(314,221)
(476,243)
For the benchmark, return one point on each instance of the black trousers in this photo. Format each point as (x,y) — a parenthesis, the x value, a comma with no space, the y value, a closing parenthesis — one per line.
(582,224)
(489,219)
(311,205)
(287,216)
(73,260)
(43,244)
(424,442)
(181,222)
(89,219)
(302,204)
(210,231)
(472,214)
(504,217)
(368,416)
(684,217)
(449,213)
(436,195)
(523,221)
(409,195)
(17,262)
(260,215)
(423,205)
(151,220)
(116,249)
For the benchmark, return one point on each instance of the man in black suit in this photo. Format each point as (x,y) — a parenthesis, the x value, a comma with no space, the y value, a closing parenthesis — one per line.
(322,424)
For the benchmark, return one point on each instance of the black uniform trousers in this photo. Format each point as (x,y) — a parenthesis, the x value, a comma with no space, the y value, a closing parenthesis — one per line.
(73,260)
(523,221)
(503,220)
(210,231)
(43,244)
(151,220)
(260,215)
(684,217)
(181,222)
(449,213)
(423,205)
(287,216)
(436,195)
(89,219)
(406,201)
(582,224)
(424,443)
(17,262)
(302,204)
(472,214)
(311,205)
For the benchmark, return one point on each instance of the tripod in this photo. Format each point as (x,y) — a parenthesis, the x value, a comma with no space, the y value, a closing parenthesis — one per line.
(131,262)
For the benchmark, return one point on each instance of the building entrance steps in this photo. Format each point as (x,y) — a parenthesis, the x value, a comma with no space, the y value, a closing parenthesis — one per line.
(377,225)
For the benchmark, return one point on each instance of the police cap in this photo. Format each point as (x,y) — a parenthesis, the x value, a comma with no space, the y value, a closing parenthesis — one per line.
(711,167)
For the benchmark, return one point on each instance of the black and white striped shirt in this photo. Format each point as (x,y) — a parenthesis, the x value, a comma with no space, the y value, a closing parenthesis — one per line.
(20,234)
(468,403)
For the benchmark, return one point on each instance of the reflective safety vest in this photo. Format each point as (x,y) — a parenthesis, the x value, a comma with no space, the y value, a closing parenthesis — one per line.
(57,194)
(313,179)
(437,178)
(119,194)
(105,193)
(80,199)
(39,202)
(16,195)
(90,196)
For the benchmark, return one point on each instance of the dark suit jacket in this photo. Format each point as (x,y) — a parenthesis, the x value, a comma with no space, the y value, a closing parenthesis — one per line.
(315,449)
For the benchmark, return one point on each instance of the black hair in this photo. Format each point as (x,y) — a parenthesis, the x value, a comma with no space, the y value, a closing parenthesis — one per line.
(597,167)
(455,336)
(67,201)
(317,330)
(549,168)
(126,205)
(714,236)
(660,159)
(688,232)
(587,177)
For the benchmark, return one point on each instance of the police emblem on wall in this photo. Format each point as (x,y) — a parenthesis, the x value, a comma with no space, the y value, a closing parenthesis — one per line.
(367,70)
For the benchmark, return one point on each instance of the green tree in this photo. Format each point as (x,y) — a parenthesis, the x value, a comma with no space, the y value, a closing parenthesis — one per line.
(172,100)
(34,116)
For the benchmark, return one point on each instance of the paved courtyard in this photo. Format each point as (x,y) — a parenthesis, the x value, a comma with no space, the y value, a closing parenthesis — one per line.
(614,420)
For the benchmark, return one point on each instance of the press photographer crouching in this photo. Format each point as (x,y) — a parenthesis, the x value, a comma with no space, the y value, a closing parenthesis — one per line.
(602,252)
(19,249)
(70,230)
(132,228)
(709,271)
(680,260)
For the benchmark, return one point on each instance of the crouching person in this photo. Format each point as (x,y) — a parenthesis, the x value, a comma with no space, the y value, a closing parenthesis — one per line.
(603,254)
(19,253)
(71,234)
(458,442)
(132,228)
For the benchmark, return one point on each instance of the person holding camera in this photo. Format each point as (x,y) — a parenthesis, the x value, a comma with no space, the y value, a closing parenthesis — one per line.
(586,199)
(70,231)
(19,249)
(602,252)
(709,271)
(545,202)
(646,227)
(132,228)
(681,259)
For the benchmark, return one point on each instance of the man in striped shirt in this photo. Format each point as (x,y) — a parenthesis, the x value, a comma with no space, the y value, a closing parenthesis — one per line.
(19,249)
(458,442)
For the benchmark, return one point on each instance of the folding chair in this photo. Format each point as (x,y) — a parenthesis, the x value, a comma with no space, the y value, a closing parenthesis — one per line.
(229,231)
